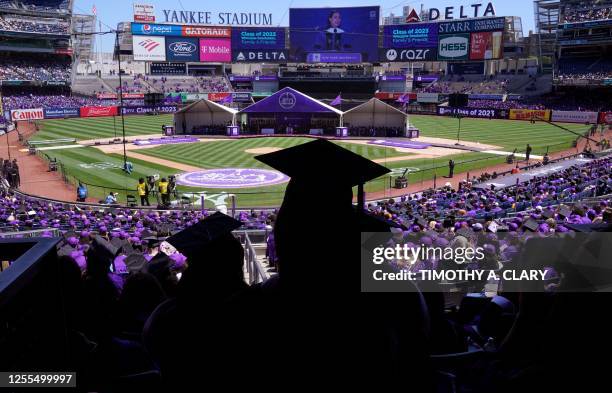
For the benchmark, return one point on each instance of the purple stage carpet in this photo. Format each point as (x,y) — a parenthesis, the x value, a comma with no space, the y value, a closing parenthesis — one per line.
(164,141)
(402,144)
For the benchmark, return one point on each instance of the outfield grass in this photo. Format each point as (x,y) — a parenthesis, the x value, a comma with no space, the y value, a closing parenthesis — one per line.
(100,127)
(225,154)
(505,133)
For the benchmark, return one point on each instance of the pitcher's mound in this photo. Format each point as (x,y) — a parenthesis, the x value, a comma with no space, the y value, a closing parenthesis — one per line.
(262,150)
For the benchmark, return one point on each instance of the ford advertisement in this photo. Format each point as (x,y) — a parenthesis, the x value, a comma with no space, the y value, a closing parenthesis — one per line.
(182,49)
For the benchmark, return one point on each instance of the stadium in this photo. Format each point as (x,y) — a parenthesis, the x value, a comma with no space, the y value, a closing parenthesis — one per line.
(177,182)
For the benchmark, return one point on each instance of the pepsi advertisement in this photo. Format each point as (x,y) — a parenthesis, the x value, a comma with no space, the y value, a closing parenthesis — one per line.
(258,38)
(182,49)
(423,35)
(156,29)
(334,35)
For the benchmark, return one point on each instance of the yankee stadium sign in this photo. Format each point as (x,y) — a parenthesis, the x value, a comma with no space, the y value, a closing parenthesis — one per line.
(221,18)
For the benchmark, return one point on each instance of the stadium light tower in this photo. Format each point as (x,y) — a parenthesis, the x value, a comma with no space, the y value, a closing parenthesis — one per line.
(118,52)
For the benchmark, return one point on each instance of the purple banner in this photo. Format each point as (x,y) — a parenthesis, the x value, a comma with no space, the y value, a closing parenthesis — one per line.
(265,78)
(401,144)
(390,78)
(332,57)
(240,78)
(482,113)
(142,110)
(423,35)
(426,78)
(253,38)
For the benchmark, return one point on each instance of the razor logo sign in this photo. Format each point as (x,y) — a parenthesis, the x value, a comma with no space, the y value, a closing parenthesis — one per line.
(410,54)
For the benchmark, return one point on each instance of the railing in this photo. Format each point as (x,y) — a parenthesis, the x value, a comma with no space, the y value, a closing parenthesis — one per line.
(28,234)
(255,270)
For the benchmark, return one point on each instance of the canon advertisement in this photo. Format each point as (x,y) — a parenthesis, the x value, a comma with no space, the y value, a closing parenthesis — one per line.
(481,113)
(27,114)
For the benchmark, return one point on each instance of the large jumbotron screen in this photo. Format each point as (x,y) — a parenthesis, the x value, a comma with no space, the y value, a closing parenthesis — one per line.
(334,35)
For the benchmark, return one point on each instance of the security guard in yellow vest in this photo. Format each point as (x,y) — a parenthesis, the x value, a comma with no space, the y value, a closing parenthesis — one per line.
(163,191)
(143,192)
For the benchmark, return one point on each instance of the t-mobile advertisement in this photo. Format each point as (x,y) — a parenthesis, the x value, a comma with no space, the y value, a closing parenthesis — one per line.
(215,50)
(334,35)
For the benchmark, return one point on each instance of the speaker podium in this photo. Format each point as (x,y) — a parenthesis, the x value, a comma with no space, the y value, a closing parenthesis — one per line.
(233,131)
(342,132)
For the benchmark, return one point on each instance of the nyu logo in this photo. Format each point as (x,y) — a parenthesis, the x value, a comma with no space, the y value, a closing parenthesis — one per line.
(287,100)
(183,48)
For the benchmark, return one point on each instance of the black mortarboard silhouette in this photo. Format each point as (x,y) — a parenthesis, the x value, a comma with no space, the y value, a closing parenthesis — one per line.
(564,211)
(135,262)
(531,225)
(192,240)
(306,164)
(548,213)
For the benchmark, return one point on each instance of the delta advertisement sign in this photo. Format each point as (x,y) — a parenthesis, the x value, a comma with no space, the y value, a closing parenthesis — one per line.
(575,117)
(27,114)
(99,111)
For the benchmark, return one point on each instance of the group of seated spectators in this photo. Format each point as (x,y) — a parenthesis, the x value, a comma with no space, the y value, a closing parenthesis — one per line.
(134,306)
(471,203)
(23,24)
(460,85)
(500,104)
(59,6)
(34,71)
(586,11)
(190,84)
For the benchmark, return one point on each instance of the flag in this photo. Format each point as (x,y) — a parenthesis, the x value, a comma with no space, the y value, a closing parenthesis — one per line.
(404,100)
(337,100)
(228,99)
(94,10)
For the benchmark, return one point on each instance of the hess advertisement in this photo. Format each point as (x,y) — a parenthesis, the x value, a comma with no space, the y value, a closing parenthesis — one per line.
(454,47)
(334,35)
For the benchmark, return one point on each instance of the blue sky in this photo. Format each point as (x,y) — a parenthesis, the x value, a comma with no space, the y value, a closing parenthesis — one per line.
(110,12)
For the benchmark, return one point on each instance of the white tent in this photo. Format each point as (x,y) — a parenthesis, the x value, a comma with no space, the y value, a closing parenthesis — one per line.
(375,113)
(201,114)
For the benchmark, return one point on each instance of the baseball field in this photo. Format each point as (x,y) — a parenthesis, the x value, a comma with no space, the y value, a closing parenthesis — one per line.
(100,167)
